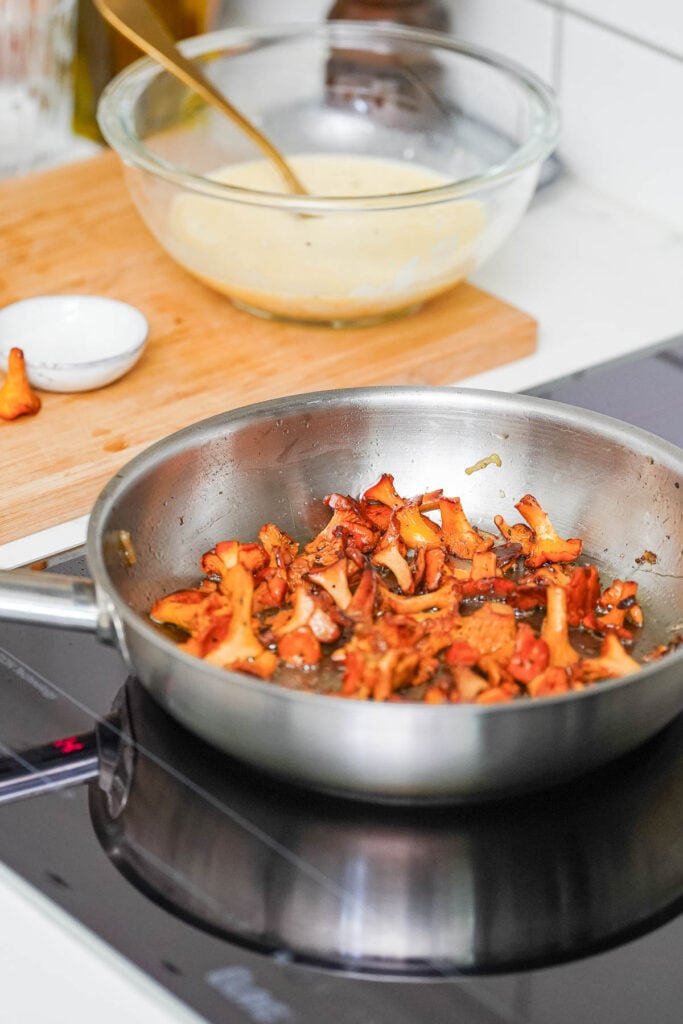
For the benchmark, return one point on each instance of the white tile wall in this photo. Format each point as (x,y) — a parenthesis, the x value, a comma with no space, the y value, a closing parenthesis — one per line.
(524,30)
(659,22)
(521,29)
(622,107)
(255,12)
(617,68)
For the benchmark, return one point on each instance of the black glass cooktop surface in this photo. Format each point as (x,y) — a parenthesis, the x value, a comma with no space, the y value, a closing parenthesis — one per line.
(254,901)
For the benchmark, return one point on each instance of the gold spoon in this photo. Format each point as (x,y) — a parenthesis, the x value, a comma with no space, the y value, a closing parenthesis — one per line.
(141,25)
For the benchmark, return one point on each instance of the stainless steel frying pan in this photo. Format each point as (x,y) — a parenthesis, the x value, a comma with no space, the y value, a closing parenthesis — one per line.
(618,487)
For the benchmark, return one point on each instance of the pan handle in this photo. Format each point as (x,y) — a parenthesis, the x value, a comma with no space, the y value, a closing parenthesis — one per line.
(66,762)
(48,599)
(106,753)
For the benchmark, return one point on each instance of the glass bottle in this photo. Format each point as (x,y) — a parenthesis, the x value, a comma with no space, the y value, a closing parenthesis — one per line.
(418,13)
(396,91)
(101,52)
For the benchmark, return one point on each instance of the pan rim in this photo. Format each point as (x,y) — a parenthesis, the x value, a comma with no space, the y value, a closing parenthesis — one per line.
(607,427)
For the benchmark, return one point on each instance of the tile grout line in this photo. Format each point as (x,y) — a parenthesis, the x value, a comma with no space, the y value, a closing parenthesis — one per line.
(557,49)
(563,8)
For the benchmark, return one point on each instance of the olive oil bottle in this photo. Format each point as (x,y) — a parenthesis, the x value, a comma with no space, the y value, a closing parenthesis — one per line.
(101,52)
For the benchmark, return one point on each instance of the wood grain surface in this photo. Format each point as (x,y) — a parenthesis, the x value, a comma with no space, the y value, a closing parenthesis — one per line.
(74,229)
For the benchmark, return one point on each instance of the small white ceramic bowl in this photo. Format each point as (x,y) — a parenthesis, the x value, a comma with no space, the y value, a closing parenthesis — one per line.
(73,342)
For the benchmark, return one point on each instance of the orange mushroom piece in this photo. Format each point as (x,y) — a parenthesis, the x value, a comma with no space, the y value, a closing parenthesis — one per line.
(16,395)
(583,593)
(461,652)
(193,611)
(547,545)
(613,661)
(334,579)
(555,629)
(382,498)
(616,604)
(557,574)
(530,656)
(228,553)
(271,591)
(307,610)
(416,529)
(458,534)
(362,606)
(384,492)
(347,521)
(391,553)
(552,682)
(446,598)
(491,629)
(240,647)
(431,567)
(279,545)
(484,565)
(660,650)
(380,659)
(300,648)
(468,682)
(520,534)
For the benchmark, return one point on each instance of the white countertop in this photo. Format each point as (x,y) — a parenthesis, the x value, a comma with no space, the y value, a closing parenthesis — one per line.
(603,281)
(53,969)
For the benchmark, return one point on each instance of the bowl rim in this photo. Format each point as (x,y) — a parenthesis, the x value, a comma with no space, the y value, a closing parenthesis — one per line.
(116,107)
(133,341)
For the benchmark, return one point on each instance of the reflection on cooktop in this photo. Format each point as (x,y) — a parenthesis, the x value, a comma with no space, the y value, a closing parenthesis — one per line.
(394,891)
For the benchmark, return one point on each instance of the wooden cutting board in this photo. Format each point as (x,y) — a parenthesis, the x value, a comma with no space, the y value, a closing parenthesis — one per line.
(74,229)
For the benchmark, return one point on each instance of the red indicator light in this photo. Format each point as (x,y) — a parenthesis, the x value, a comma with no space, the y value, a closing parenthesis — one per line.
(68,745)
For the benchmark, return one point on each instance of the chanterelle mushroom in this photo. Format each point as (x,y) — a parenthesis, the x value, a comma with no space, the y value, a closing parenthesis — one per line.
(406,606)
(16,396)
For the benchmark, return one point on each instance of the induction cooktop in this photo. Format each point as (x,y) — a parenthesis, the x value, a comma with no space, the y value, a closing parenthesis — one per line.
(256,901)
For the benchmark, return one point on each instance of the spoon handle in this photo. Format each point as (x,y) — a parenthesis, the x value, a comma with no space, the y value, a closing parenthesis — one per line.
(141,25)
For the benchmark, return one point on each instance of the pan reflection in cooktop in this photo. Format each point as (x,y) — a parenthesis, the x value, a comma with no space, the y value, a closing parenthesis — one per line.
(393,891)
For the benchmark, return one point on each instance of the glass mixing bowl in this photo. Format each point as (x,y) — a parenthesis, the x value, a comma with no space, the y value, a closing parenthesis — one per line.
(419,153)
